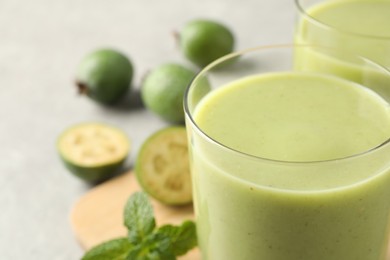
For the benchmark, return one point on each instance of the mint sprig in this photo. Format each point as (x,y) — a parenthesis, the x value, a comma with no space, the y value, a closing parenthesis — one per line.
(182,238)
(139,217)
(116,249)
(145,241)
(156,246)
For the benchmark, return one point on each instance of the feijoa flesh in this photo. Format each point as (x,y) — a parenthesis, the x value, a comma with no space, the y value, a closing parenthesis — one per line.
(162,166)
(93,151)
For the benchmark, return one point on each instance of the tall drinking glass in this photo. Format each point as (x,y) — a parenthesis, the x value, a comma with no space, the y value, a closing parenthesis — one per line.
(288,162)
(357,26)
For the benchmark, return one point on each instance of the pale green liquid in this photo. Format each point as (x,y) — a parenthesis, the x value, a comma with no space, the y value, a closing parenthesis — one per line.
(356,27)
(253,209)
(364,17)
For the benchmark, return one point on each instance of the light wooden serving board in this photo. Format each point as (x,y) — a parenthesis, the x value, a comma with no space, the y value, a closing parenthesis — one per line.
(98,215)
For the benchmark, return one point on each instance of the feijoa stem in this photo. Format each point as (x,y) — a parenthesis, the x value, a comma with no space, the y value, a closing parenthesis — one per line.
(81,87)
(176,37)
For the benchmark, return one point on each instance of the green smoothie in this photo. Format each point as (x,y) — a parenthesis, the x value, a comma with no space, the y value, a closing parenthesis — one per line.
(350,26)
(286,193)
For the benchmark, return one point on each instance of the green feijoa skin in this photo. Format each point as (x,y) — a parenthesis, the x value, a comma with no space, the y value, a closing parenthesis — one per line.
(163,88)
(203,41)
(104,75)
(162,166)
(93,151)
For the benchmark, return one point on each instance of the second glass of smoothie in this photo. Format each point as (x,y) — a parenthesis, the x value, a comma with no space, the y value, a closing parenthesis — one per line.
(356,26)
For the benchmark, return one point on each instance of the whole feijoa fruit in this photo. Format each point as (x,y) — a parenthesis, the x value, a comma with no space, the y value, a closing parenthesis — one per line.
(203,41)
(104,75)
(163,88)
(93,151)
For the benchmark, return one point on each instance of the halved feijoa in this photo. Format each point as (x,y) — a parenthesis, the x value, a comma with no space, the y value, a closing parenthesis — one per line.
(162,166)
(93,151)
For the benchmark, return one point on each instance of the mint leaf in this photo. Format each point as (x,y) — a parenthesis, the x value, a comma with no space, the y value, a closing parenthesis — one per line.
(116,249)
(139,217)
(182,238)
(157,246)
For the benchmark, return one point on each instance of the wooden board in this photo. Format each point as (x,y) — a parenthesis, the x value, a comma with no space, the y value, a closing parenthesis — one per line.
(98,215)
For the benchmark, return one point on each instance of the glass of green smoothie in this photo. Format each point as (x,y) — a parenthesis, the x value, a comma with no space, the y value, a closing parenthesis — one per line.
(357,26)
(288,162)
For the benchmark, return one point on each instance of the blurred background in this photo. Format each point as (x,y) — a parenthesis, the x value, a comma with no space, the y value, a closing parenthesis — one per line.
(41,43)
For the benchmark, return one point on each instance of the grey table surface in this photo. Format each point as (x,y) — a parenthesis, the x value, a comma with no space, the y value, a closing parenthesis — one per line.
(41,43)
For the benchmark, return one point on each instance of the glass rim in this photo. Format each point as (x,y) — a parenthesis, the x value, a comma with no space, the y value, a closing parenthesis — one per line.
(302,11)
(232,55)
